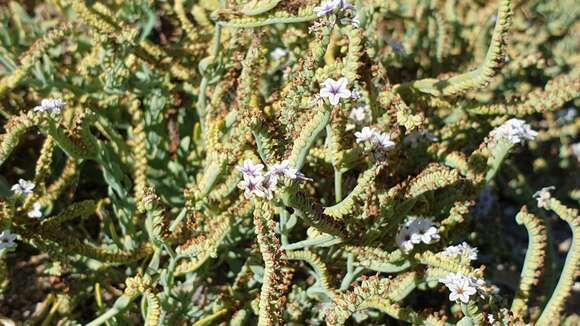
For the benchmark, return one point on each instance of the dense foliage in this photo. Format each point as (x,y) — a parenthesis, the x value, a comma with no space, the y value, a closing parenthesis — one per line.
(241,162)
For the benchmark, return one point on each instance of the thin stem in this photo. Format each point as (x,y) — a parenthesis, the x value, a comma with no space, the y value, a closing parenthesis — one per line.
(337,185)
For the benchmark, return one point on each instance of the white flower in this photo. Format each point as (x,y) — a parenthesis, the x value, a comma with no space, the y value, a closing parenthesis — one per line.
(35,212)
(543,196)
(360,114)
(451,278)
(383,141)
(377,139)
(576,151)
(478,284)
(461,290)
(23,187)
(335,90)
(278,53)
(425,231)
(7,240)
(415,231)
(490,319)
(365,134)
(252,186)
(249,169)
(331,5)
(284,169)
(50,105)
(462,249)
(461,287)
(515,131)
(403,238)
(327,7)
(468,251)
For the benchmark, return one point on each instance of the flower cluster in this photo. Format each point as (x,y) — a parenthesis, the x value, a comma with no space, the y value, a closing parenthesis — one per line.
(462,287)
(415,231)
(23,187)
(255,183)
(332,5)
(335,90)
(462,249)
(50,105)
(515,131)
(375,138)
(7,240)
(543,196)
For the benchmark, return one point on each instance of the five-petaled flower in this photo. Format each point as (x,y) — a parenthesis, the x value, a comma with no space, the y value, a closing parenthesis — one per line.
(335,90)
(23,187)
(7,240)
(252,185)
(250,169)
(462,287)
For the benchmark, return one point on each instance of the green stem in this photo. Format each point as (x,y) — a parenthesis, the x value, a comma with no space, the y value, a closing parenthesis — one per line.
(337,185)
(120,305)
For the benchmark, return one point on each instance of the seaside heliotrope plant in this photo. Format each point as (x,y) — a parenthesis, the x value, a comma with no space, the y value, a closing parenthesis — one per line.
(301,162)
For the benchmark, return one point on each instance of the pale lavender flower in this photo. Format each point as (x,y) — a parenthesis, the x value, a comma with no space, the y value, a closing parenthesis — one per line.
(269,186)
(252,186)
(7,240)
(327,7)
(23,187)
(284,169)
(335,90)
(383,141)
(249,169)
(425,231)
(50,105)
